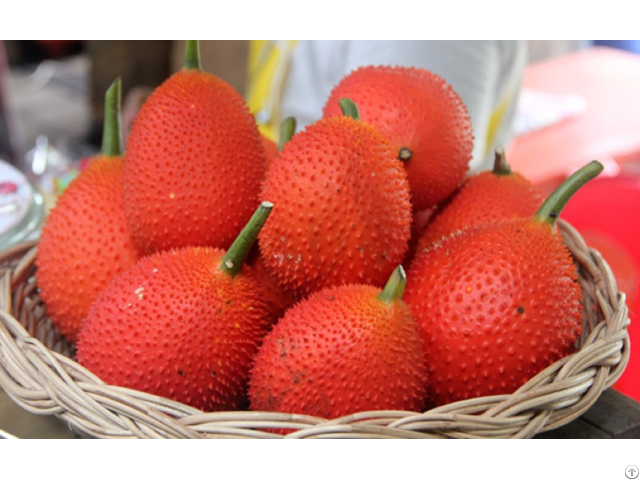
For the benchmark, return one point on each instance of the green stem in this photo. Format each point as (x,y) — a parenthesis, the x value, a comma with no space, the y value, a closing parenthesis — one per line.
(235,257)
(394,288)
(192,55)
(287,130)
(553,205)
(500,165)
(112,145)
(349,108)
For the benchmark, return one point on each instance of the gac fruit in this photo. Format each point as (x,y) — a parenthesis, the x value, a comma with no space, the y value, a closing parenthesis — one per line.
(485,197)
(184,324)
(497,303)
(343,208)
(343,350)
(424,119)
(194,163)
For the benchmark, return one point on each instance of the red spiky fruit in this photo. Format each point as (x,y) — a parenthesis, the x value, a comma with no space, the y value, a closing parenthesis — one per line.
(485,197)
(342,350)
(184,324)
(194,164)
(497,303)
(343,210)
(85,241)
(278,299)
(424,119)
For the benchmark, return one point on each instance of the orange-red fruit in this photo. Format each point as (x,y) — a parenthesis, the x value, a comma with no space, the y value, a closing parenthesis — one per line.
(494,305)
(194,164)
(270,150)
(85,243)
(342,208)
(177,326)
(278,299)
(340,351)
(483,198)
(418,110)
(419,226)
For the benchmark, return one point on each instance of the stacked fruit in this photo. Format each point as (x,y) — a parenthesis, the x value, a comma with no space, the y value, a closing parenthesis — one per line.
(146,261)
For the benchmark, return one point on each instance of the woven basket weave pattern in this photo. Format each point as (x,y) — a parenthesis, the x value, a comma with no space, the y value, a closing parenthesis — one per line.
(38,371)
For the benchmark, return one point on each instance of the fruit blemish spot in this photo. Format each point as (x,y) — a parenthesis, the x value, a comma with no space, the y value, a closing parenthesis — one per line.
(138,292)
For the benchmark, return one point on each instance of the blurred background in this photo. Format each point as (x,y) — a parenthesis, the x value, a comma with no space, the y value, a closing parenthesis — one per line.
(579,101)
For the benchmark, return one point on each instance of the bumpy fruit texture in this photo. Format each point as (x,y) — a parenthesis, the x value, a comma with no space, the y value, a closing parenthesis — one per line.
(177,326)
(495,305)
(342,208)
(278,299)
(194,164)
(85,243)
(340,351)
(417,110)
(483,198)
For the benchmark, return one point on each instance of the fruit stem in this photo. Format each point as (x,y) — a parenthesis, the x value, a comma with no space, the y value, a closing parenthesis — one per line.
(349,108)
(287,129)
(112,145)
(404,154)
(500,165)
(192,55)
(394,288)
(553,205)
(235,257)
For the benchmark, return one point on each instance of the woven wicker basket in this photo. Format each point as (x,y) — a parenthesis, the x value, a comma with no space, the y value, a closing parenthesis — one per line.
(38,371)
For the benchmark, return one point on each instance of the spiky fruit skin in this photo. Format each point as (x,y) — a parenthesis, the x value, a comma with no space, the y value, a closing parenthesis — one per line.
(342,209)
(494,305)
(85,243)
(483,198)
(194,164)
(278,299)
(177,326)
(416,109)
(340,351)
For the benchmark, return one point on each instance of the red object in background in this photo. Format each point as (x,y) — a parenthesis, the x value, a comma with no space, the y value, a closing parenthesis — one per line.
(57,48)
(605,211)
(7,188)
(609,128)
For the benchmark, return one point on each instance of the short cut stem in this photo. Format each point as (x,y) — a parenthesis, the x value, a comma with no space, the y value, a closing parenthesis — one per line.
(394,288)
(349,108)
(500,165)
(112,144)
(287,130)
(235,257)
(192,55)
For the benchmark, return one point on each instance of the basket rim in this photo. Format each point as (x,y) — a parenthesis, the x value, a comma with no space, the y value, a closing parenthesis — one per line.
(46,382)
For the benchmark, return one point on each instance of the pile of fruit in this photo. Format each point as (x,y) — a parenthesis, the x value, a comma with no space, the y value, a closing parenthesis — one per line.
(146,262)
